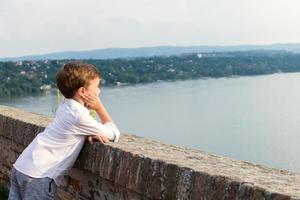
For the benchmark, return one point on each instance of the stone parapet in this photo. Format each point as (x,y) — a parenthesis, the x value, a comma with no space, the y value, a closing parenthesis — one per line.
(140,168)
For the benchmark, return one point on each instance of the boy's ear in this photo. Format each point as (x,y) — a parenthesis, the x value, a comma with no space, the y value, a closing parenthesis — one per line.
(81,91)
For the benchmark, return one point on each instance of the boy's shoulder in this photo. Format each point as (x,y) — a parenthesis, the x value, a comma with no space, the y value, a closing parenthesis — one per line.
(71,108)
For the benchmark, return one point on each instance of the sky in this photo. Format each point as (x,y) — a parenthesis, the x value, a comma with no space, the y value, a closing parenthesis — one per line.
(42,26)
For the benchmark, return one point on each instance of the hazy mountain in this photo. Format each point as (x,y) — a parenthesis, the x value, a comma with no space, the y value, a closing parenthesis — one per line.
(109,53)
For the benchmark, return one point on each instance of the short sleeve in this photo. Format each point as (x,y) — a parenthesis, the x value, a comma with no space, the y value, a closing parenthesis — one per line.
(87,125)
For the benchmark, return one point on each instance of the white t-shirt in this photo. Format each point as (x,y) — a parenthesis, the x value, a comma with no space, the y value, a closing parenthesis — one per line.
(53,152)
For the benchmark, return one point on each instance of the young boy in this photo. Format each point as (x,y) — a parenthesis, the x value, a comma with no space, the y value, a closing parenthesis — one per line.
(40,168)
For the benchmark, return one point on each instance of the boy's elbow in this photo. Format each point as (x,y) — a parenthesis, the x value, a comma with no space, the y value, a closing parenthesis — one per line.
(114,131)
(117,135)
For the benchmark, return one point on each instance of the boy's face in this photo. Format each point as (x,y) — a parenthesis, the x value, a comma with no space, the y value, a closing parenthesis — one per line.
(94,87)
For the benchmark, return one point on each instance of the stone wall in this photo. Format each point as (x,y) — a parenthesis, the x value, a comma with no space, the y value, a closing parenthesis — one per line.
(140,168)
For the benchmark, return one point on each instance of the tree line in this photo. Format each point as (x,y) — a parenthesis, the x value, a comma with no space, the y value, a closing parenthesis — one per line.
(26,77)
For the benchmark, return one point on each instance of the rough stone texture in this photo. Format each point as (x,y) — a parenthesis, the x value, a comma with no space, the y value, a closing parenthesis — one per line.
(140,168)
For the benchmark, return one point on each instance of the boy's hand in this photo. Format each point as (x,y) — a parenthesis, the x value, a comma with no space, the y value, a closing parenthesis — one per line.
(100,138)
(92,101)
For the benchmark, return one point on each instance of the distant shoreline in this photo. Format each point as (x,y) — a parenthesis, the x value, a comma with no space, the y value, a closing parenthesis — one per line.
(54,90)
(28,77)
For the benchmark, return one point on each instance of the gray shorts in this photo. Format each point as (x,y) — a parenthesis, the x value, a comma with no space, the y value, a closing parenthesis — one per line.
(23,187)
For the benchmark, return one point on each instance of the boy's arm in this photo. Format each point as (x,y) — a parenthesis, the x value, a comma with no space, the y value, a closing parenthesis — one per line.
(87,125)
(94,102)
(102,113)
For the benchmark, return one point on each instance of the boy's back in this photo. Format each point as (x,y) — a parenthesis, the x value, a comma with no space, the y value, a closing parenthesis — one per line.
(53,152)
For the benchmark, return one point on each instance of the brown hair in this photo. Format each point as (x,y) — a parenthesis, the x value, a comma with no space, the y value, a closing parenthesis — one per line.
(72,76)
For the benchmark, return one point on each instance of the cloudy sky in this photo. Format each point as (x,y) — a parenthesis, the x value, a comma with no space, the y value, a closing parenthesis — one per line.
(43,26)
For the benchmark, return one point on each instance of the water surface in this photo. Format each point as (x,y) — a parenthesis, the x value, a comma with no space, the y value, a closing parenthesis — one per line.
(255,119)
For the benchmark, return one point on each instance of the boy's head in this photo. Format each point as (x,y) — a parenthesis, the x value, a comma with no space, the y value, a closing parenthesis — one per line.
(77,77)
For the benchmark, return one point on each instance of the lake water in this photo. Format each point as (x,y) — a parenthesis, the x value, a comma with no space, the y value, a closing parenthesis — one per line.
(254,119)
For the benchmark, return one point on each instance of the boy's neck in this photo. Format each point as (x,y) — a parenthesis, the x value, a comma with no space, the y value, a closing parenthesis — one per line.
(78,99)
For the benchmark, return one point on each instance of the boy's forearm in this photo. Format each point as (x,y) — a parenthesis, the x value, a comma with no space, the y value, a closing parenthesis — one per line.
(103,114)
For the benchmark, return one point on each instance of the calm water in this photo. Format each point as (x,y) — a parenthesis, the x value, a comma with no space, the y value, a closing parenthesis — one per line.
(255,119)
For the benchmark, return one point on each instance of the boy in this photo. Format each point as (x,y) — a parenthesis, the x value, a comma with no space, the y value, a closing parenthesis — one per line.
(40,168)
